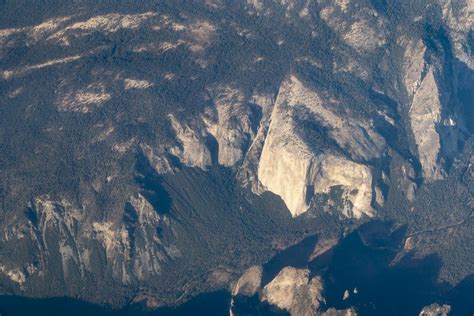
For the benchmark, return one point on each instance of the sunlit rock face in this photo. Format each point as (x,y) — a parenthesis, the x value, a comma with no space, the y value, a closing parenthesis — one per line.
(295,170)
(230,124)
(159,159)
(425,107)
(458,16)
(221,136)
(344,312)
(292,290)
(355,179)
(15,275)
(149,251)
(193,150)
(249,283)
(425,114)
(138,140)
(132,248)
(414,65)
(287,174)
(433,88)
(248,171)
(435,310)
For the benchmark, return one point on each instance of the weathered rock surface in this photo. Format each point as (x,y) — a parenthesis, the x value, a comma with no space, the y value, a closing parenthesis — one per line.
(292,290)
(221,136)
(335,312)
(248,172)
(249,283)
(435,310)
(425,108)
(299,170)
(458,16)
(356,181)
(279,159)
(291,168)
(132,247)
(16,275)
(127,130)
(425,114)
(414,65)
(193,150)
(232,128)
(159,159)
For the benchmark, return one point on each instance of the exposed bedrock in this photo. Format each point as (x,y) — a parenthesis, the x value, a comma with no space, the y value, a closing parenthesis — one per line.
(295,170)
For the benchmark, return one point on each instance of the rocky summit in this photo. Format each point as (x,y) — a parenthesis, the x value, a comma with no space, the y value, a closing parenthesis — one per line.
(290,155)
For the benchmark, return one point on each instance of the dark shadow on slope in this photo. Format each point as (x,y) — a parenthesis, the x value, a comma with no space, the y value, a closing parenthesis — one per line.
(366,260)
(251,306)
(130,218)
(22,306)
(294,256)
(214,303)
(150,183)
(213,146)
(363,261)
(461,297)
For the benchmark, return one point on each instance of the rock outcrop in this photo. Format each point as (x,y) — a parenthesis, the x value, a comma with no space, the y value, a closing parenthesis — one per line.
(249,283)
(458,16)
(414,65)
(133,137)
(291,290)
(221,135)
(56,229)
(133,247)
(193,150)
(295,170)
(336,312)
(232,126)
(435,310)
(248,172)
(425,114)
(294,291)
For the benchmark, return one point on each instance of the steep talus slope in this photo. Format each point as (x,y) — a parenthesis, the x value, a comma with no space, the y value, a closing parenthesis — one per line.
(156,151)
